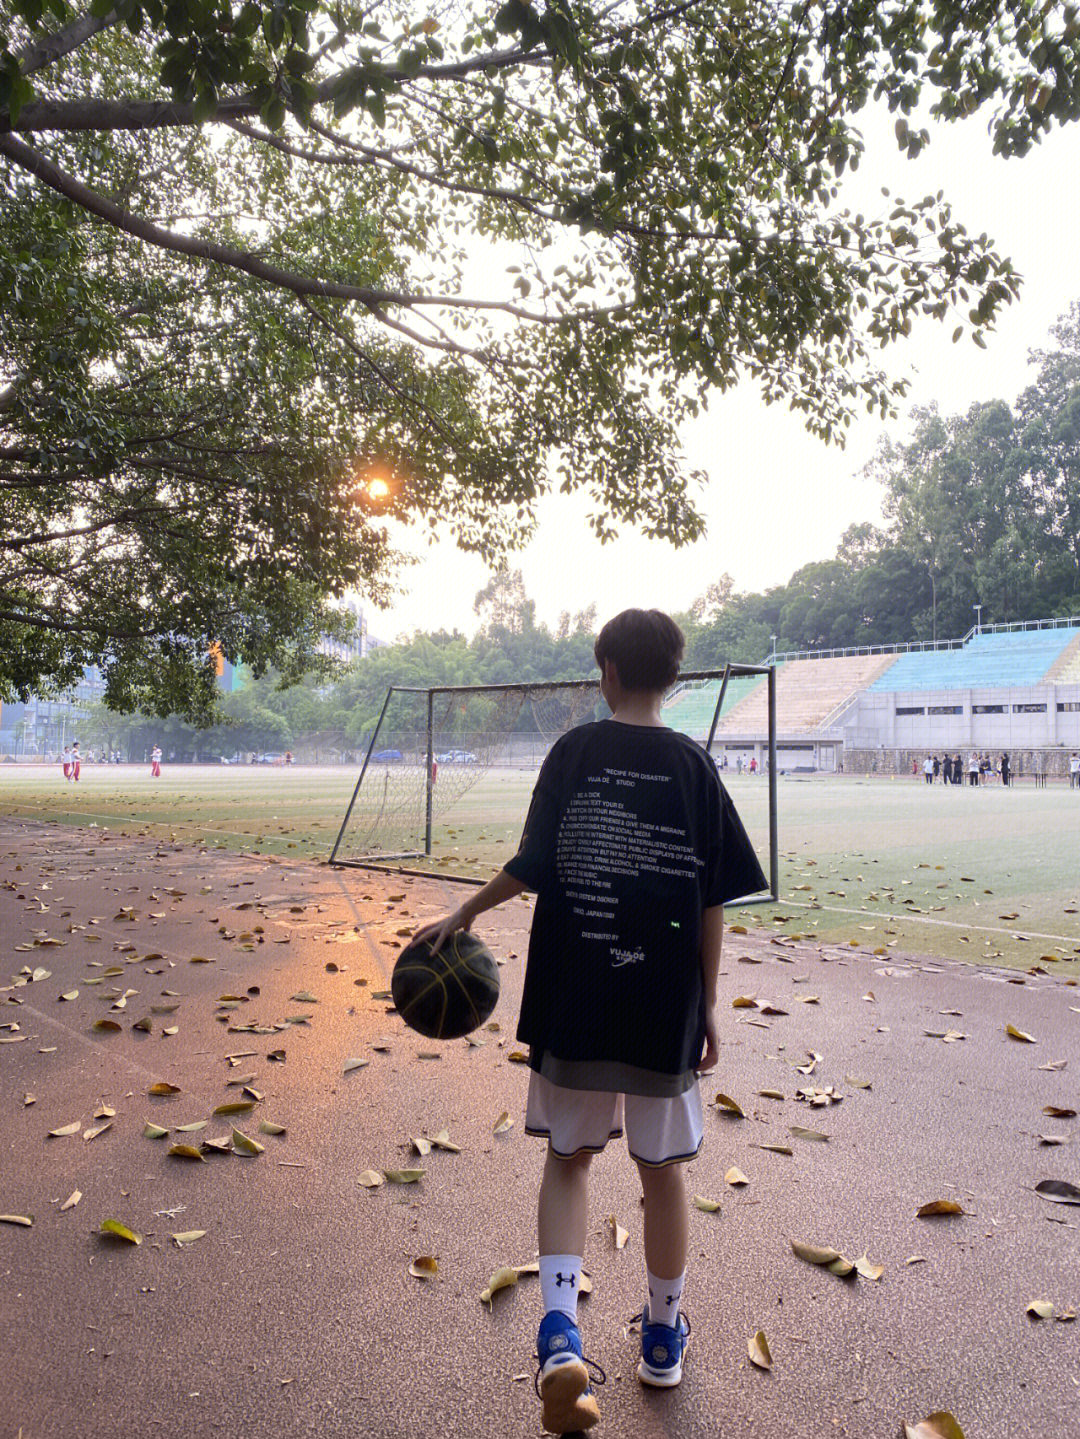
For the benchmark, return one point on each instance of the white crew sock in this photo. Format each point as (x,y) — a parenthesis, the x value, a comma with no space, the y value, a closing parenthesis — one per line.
(664,1296)
(560,1280)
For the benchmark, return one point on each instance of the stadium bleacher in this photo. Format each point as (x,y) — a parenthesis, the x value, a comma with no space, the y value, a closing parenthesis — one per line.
(808,691)
(1010,658)
(691,710)
(1066,668)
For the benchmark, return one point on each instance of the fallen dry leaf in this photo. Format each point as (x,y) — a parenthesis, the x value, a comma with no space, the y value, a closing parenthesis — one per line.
(619,1235)
(727,1105)
(503,1123)
(1021,1034)
(425,1266)
(245,1145)
(1058,1191)
(371,1179)
(71,1201)
(938,1207)
(758,1349)
(403,1176)
(25,1220)
(189,1236)
(120,1231)
(1040,1309)
(735,1177)
(939,1425)
(502,1279)
(707,1206)
(163,1087)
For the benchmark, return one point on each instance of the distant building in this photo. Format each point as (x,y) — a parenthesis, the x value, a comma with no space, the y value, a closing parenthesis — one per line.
(360,642)
(43,726)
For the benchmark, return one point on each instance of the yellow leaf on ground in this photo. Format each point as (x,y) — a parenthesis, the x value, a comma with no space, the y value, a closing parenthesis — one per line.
(351,1064)
(867,1269)
(1040,1309)
(71,1201)
(940,1425)
(758,1349)
(1021,1034)
(403,1176)
(728,1105)
(186,1151)
(707,1206)
(245,1145)
(189,1236)
(735,1176)
(502,1279)
(163,1087)
(618,1233)
(503,1123)
(371,1179)
(425,1266)
(938,1207)
(25,1220)
(65,1129)
(120,1231)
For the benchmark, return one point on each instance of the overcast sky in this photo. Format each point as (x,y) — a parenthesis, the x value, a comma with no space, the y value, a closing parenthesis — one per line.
(776,497)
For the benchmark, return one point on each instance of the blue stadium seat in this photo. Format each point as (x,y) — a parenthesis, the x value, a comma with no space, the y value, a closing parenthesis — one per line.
(988,661)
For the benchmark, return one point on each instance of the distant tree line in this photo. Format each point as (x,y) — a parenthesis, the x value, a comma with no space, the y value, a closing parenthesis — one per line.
(982,508)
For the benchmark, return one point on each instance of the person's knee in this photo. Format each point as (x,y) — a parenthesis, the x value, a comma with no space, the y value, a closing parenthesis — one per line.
(566,1163)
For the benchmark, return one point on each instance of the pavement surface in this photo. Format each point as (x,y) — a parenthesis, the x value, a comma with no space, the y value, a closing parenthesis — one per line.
(295,1313)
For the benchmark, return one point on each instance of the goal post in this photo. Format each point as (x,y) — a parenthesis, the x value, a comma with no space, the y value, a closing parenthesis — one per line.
(446,777)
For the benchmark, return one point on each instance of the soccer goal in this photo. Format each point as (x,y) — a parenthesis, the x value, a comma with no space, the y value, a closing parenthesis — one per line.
(445,783)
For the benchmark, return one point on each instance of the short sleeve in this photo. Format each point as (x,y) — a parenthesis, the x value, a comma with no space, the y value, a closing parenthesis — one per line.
(733,869)
(535,859)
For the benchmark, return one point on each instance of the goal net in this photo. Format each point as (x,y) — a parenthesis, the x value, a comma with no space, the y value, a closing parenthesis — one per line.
(445,784)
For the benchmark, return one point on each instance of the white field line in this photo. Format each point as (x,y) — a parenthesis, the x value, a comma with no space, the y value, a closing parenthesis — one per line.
(926,919)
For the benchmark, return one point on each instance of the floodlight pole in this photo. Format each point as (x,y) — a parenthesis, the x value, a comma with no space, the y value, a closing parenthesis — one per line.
(430,763)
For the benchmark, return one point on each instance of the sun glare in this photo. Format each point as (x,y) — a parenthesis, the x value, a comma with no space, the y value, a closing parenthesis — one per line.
(378,489)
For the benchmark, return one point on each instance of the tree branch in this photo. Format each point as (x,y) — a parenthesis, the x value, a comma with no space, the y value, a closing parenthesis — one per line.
(37,54)
(81,194)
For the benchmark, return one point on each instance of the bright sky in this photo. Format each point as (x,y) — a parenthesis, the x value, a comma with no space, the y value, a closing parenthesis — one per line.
(776,497)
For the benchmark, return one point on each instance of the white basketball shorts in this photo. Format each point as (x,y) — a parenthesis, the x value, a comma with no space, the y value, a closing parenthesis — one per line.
(575,1121)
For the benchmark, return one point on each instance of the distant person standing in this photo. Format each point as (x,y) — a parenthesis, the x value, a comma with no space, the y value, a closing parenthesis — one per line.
(753,764)
(928,769)
(65,760)
(155,762)
(1074,771)
(973,770)
(937,767)
(76,760)
(1005,768)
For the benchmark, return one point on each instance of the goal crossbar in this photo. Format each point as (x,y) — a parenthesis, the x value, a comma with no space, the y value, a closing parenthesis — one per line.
(389,861)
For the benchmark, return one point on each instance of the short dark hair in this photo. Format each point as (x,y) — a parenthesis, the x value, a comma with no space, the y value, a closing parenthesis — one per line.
(645,647)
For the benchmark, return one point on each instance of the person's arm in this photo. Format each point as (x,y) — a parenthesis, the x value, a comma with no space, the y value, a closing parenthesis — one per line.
(712,935)
(503,887)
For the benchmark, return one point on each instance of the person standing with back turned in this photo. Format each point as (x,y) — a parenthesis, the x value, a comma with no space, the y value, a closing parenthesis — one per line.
(633,847)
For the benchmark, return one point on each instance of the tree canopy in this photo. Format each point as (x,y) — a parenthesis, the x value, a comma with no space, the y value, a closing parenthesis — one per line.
(255,255)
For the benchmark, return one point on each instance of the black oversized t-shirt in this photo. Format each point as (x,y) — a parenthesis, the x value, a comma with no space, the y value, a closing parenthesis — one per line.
(630,836)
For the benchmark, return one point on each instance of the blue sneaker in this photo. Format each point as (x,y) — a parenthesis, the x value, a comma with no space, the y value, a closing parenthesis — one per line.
(562,1381)
(662,1349)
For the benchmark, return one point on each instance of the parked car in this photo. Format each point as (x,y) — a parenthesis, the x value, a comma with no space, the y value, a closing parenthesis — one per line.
(385,755)
(460,756)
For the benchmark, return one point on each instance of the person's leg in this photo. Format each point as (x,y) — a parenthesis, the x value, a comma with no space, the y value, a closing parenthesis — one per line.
(569,1404)
(563,1208)
(667,1221)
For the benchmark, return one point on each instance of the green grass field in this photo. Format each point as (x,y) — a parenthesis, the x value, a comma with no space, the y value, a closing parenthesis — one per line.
(987,874)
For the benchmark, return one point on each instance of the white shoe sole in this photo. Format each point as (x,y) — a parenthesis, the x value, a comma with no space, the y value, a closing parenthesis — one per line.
(662,1378)
(567,1408)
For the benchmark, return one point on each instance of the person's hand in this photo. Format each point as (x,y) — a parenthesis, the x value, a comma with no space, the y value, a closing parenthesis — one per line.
(440,930)
(707,1062)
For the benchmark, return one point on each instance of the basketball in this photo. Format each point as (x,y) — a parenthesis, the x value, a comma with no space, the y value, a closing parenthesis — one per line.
(448,994)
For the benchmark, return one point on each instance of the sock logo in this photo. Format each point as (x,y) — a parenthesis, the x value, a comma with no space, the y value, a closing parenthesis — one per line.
(561,1279)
